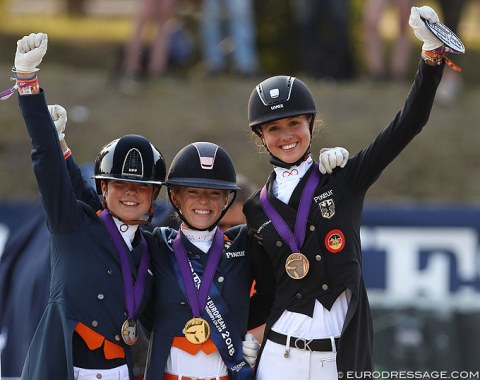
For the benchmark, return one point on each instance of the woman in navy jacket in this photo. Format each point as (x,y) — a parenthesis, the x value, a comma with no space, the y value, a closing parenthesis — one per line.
(200,334)
(99,262)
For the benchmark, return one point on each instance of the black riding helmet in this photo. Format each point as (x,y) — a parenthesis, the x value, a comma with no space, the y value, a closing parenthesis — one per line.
(130,158)
(202,165)
(277,98)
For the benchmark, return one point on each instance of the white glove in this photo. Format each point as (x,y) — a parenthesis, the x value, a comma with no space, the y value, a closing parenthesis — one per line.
(30,51)
(59,117)
(330,158)
(250,347)
(430,42)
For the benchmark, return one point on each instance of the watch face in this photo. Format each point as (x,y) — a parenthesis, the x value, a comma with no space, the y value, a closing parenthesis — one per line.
(452,43)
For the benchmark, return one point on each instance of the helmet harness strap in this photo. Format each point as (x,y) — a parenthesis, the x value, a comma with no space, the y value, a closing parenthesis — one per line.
(210,228)
(282,164)
(130,222)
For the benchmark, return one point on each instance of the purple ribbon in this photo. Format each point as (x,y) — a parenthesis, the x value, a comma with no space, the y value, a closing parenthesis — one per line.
(133,291)
(197,297)
(4,95)
(294,241)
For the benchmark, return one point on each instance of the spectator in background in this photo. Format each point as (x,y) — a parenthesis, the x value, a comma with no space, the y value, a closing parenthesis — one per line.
(160,12)
(452,82)
(75,8)
(374,44)
(237,17)
(324,34)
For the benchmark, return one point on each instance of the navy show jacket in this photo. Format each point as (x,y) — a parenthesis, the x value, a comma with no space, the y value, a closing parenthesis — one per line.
(233,279)
(86,279)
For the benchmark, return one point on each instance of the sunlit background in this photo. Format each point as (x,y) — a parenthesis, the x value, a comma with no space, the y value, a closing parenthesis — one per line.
(424,288)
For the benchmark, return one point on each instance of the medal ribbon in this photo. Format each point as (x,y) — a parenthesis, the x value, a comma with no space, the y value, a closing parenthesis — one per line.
(231,352)
(197,298)
(133,291)
(294,241)
(227,340)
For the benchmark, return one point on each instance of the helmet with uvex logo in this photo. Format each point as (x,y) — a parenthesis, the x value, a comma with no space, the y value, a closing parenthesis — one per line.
(131,158)
(279,97)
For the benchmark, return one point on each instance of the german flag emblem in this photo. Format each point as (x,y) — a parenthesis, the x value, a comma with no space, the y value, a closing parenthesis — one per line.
(335,241)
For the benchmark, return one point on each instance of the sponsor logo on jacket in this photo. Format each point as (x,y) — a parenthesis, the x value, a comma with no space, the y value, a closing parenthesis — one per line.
(235,254)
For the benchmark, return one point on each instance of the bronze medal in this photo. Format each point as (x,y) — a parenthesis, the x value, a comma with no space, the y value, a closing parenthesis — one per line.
(297,266)
(129,332)
(197,330)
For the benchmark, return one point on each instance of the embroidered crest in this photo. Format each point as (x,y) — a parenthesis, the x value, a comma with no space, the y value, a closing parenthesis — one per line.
(335,241)
(327,208)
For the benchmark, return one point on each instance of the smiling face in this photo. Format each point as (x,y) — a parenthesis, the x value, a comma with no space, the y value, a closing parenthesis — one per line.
(287,139)
(127,200)
(200,207)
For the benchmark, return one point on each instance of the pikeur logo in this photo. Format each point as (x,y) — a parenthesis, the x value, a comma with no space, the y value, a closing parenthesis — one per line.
(277,106)
(235,254)
(321,197)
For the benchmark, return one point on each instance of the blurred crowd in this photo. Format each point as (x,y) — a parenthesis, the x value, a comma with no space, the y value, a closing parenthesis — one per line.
(333,40)
(321,39)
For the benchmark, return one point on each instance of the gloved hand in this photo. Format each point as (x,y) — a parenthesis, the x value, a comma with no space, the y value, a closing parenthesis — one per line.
(59,117)
(250,347)
(30,51)
(430,42)
(330,158)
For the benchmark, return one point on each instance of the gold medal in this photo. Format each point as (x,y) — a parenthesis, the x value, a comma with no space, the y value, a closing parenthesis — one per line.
(197,330)
(129,332)
(297,266)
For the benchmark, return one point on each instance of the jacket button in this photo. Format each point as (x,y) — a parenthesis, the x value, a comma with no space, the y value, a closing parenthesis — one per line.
(312,227)
(182,303)
(325,287)
(110,272)
(117,338)
(318,258)
(220,279)
(100,296)
(279,243)
(94,323)
(298,296)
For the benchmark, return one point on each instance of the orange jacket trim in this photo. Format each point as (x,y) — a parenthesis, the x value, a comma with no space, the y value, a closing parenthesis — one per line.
(182,343)
(95,340)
